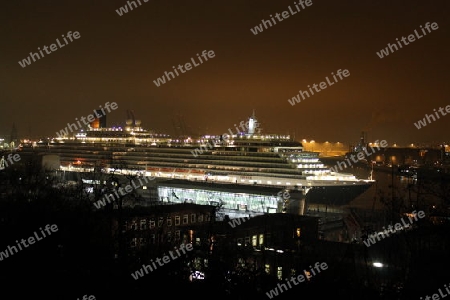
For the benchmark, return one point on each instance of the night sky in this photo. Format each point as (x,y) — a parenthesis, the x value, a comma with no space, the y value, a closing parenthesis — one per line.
(117,58)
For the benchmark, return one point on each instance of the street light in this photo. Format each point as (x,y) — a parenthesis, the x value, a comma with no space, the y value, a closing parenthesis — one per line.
(377,264)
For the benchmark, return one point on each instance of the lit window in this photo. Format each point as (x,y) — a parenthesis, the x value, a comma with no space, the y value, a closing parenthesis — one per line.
(191,236)
(255,240)
(308,275)
(267,268)
(280,273)
(261,239)
(298,232)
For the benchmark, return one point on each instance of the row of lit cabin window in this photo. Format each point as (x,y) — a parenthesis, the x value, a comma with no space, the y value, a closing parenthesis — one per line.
(178,221)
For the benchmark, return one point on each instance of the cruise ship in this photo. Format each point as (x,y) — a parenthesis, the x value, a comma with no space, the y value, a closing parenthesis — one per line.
(242,170)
